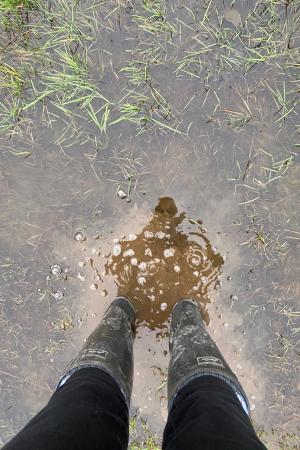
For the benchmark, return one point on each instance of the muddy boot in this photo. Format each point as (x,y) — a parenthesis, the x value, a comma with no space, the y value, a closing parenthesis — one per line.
(110,346)
(195,354)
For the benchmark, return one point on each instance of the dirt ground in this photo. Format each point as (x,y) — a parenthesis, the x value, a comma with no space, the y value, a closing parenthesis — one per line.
(167,135)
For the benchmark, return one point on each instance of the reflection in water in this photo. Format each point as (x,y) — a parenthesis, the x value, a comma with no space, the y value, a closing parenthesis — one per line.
(164,264)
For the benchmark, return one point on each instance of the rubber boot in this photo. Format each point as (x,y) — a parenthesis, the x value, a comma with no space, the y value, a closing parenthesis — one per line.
(110,347)
(194,353)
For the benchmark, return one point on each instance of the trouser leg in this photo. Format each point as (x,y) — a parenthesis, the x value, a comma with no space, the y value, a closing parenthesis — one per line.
(88,412)
(207,414)
(207,404)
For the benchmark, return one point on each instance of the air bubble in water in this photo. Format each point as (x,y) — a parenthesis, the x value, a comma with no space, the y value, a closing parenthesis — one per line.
(133,261)
(129,252)
(78,236)
(117,250)
(148,252)
(168,252)
(141,280)
(58,295)
(55,269)
(142,266)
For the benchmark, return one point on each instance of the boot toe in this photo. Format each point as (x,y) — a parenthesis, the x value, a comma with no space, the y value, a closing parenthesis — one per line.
(126,305)
(184,306)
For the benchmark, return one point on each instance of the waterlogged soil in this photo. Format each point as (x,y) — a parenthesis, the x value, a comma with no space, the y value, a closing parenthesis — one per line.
(198,220)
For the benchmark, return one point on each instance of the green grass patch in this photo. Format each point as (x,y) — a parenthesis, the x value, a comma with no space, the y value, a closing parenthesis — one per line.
(9,6)
(142,439)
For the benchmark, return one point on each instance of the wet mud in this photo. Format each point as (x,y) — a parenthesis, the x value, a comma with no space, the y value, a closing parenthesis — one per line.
(205,206)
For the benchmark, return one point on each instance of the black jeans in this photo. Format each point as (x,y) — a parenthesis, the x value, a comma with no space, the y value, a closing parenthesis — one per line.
(89,413)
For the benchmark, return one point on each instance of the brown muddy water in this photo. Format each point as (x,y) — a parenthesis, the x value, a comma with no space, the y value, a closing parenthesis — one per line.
(210,211)
(163,265)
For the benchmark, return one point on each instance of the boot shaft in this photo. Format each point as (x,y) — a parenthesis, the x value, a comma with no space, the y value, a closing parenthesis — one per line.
(194,353)
(110,347)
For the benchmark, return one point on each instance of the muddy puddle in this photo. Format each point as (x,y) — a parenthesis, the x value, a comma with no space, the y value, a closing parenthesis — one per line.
(204,152)
(163,265)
